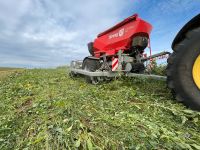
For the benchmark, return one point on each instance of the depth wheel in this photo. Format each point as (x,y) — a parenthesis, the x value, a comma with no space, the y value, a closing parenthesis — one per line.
(91,65)
(183,70)
(72,74)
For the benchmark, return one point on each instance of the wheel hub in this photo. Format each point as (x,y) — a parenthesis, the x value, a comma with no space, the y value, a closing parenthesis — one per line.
(196,72)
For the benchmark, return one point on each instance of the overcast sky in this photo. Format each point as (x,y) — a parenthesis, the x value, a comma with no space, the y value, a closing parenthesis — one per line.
(49,33)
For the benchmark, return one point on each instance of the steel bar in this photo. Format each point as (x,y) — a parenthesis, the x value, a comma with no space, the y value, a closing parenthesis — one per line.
(116,74)
(148,76)
(156,55)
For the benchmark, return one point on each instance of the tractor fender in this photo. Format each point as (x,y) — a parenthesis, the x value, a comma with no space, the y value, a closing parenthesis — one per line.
(194,23)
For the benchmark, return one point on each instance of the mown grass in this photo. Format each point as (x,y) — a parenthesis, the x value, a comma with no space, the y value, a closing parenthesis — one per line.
(46,109)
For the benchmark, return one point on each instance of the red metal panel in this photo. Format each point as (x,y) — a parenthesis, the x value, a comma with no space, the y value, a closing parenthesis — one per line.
(120,36)
(131,18)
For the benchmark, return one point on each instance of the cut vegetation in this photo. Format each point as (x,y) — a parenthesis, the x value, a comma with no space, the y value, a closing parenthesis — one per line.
(46,109)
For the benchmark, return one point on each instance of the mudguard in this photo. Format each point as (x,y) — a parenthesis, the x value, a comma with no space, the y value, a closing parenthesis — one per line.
(194,23)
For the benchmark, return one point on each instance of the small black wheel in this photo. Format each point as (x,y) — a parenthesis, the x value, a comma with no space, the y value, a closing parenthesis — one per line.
(72,74)
(138,68)
(183,70)
(91,65)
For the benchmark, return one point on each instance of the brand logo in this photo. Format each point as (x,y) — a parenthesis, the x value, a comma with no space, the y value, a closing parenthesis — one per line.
(120,33)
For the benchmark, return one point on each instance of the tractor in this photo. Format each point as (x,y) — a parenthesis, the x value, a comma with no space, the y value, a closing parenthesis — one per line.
(120,51)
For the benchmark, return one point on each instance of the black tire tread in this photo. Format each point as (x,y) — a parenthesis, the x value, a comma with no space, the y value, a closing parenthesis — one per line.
(171,68)
(92,65)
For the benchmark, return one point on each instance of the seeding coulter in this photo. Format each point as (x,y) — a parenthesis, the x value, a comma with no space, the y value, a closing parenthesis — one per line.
(120,51)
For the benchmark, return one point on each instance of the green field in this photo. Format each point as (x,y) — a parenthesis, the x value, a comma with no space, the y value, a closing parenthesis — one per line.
(4,72)
(46,109)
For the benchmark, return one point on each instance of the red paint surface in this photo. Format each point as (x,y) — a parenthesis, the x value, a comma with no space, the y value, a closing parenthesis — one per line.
(120,36)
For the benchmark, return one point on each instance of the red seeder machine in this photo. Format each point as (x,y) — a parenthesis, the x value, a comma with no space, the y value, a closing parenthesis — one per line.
(120,51)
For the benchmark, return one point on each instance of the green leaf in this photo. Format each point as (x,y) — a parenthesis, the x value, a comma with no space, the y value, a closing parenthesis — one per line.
(133,93)
(184,145)
(59,130)
(196,120)
(78,143)
(184,119)
(138,107)
(187,111)
(39,139)
(70,128)
(196,146)
(89,144)
(61,104)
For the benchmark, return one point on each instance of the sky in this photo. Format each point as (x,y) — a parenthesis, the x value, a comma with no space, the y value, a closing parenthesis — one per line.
(50,33)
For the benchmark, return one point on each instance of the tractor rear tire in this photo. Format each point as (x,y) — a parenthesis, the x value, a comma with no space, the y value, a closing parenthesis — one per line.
(91,65)
(183,70)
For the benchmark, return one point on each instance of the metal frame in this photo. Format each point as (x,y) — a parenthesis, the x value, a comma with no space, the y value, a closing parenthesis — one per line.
(76,67)
(116,74)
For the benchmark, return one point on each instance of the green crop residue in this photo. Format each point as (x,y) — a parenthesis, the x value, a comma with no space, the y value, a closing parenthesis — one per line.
(46,109)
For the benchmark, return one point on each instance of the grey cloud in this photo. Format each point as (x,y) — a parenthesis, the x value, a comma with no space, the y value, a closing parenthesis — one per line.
(45,33)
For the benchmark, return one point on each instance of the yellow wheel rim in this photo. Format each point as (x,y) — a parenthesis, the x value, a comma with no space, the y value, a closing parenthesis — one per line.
(196,72)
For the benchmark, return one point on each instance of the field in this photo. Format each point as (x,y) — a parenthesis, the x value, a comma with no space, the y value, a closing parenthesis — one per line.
(4,72)
(46,109)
